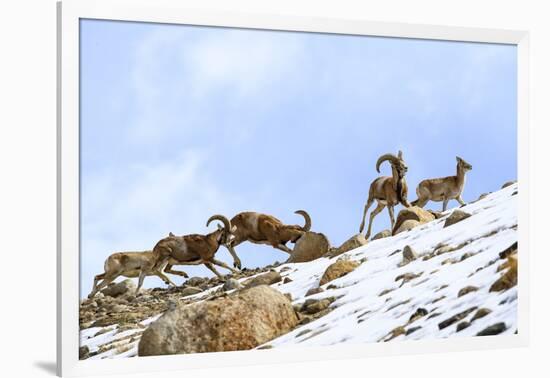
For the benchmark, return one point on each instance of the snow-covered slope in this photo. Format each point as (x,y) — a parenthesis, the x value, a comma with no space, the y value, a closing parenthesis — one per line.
(363,315)
(372,305)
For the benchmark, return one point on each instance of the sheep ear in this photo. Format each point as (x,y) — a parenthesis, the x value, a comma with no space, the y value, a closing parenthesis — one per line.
(220,227)
(171,234)
(458,159)
(400,154)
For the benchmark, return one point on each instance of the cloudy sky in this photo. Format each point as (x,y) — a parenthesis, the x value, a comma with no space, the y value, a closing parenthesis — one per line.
(181,122)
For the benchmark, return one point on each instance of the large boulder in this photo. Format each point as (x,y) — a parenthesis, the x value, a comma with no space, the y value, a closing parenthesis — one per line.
(310,246)
(120,288)
(355,241)
(414,213)
(239,321)
(338,269)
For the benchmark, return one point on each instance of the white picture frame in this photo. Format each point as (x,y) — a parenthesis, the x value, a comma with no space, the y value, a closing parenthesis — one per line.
(170,11)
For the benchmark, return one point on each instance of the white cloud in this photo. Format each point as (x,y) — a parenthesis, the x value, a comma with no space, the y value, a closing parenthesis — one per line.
(246,63)
(181,71)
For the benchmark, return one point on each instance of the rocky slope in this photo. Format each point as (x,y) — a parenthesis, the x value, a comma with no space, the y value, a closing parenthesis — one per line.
(440,279)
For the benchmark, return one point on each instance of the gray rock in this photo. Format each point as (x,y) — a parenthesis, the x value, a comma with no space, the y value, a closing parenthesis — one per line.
(419,313)
(481,313)
(190,290)
(455,318)
(83,352)
(411,330)
(381,235)
(303,332)
(267,346)
(313,306)
(407,225)
(120,288)
(494,329)
(314,290)
(268,278)
(508,183)
(354,242)
(466,290)
(232,284)
(409,254)
(455,217)
(196,281)
(482,196)
(509,251)
(462,325)
(338,269)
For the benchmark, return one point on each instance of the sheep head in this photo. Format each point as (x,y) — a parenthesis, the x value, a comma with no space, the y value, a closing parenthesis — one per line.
(397,162)
(463,164)
(226,232)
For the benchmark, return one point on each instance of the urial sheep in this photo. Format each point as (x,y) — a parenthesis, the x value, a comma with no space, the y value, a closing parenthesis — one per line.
(443,188)
(387,191)
(265,229)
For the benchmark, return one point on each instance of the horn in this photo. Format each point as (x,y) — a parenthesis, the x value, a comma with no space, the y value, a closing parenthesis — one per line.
(392,158)
(221,218)
(306,216)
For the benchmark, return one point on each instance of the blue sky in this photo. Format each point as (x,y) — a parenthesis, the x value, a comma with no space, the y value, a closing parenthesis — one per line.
(181,122)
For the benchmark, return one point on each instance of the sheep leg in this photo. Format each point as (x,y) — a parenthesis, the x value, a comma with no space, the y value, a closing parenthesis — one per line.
(460,201)
(445,202)
(224,265)
(96,279)
(106,281)
(169,270)
(211,267)
(140,281)
(392,219)
(165,278)
(236,260)
(365,210)
(373,214)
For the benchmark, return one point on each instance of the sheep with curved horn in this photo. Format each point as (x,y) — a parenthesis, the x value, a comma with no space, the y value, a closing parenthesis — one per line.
(173,250)
(388,191)
(197,249)
(265,229)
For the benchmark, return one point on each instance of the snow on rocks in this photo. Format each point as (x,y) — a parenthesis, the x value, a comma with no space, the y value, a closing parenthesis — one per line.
(447,288)
(372,307)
